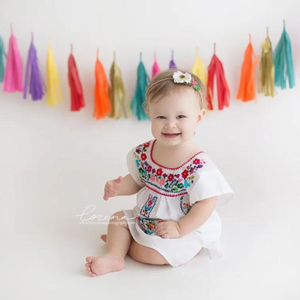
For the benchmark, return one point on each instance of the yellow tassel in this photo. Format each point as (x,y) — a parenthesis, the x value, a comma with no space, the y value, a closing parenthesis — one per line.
(53,88)
(199,69)
(266,68)
(119,101)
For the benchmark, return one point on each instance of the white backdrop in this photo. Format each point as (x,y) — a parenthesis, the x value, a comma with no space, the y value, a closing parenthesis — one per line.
(54,162)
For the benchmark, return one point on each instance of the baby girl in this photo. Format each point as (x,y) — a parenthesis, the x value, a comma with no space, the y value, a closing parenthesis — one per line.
(178,186)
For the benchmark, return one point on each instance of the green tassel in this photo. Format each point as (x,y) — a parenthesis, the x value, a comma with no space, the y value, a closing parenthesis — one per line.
(283,61)
(139,97)
(2,53)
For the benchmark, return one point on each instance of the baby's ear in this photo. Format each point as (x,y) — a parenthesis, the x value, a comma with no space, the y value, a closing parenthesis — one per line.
(201,115)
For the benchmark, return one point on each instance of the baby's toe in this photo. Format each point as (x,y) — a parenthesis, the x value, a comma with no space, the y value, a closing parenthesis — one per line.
(89,259)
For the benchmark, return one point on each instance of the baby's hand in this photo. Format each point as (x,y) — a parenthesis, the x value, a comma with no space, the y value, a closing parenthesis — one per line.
(168,229)
(111,188)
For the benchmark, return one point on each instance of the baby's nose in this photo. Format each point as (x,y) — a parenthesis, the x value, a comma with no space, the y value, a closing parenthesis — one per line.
(170,124)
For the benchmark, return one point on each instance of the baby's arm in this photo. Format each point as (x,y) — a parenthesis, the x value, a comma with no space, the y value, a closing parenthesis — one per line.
(120,186)
(197,216)
(128,186)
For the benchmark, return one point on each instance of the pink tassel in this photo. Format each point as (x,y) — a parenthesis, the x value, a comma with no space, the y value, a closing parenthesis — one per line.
(155,68)
(13,71)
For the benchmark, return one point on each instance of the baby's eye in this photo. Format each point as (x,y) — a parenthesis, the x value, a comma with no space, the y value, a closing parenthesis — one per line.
(160,117)
(181,116)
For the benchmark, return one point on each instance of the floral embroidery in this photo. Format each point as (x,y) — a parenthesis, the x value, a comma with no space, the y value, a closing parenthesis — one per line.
(185,207)
(163,179)
(147,208)
(147,225)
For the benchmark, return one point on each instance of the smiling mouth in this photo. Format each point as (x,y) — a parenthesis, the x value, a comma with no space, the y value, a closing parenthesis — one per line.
(170,135)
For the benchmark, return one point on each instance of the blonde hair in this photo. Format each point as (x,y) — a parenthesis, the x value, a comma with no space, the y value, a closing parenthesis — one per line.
(163,84)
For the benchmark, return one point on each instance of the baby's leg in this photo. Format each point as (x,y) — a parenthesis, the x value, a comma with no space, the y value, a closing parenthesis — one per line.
(142,253)
(117,244)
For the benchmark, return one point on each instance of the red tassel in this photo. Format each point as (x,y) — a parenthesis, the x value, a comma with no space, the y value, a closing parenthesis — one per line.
(215,68)
(77,100)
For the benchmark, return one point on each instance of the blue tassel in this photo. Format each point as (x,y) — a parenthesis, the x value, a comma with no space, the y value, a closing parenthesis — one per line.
(139,97)
(2,53)
(283,61)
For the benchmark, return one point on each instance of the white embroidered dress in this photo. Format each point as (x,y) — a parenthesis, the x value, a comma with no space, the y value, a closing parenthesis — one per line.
(168,194)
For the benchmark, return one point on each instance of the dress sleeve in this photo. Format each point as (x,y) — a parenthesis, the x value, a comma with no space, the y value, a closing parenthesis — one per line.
(209,182)
(133,168)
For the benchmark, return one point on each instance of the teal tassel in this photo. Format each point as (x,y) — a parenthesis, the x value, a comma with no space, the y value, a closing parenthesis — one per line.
(283,61)
(2,53)
(139,97)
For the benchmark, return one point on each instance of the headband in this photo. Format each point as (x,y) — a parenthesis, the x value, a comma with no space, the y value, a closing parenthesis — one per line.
(183,78)
(180,77)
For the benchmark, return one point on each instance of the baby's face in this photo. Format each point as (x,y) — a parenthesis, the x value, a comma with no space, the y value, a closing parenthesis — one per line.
(175,117)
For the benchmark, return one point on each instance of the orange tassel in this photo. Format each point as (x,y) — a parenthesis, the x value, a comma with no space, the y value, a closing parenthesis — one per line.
(216,69)
(246,90)
(102,105)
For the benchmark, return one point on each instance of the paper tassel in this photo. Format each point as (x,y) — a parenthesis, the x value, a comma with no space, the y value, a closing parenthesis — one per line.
(119,101)
(77,100)
(283,61)
(32,76)
(53,87)
(216,69)
(139,97)
(13,71)
(199,69)
(266,68)
(246,90)
(155,68)
(2,53)
(102,106)
(172,64)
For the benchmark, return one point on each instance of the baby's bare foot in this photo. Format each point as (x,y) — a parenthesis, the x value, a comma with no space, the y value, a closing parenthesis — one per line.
(103,237)
(104,264)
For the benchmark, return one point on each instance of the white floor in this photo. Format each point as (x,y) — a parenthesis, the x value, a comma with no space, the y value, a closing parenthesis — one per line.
(43,254)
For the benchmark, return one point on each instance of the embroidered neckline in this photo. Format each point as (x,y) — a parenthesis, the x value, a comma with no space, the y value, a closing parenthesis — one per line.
(162,179)
(151,157)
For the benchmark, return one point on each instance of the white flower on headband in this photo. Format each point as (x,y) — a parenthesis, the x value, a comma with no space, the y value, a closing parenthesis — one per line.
(180,77)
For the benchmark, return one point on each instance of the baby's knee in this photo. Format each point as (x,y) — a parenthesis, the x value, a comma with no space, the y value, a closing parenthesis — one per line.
(145,254)
(119,218)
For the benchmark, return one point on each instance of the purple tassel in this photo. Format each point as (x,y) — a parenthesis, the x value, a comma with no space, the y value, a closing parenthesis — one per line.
(35,84)
(172,64)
